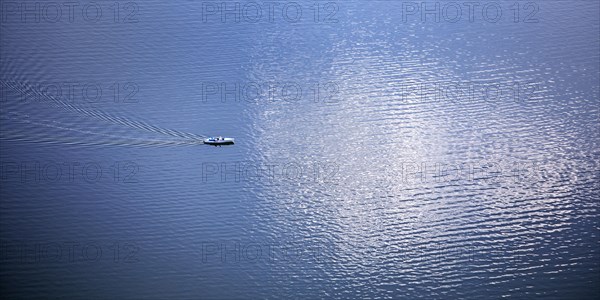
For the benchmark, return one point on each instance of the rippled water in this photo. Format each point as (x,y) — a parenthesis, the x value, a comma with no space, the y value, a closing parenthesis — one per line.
(379,153)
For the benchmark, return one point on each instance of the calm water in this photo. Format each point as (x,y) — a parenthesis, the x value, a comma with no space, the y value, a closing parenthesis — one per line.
(379,153)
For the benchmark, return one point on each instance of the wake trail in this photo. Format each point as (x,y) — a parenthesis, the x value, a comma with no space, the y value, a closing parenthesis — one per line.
(112,139)
(99,115)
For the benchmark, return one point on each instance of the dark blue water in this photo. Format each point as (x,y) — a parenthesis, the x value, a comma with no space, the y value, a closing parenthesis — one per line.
(380,152)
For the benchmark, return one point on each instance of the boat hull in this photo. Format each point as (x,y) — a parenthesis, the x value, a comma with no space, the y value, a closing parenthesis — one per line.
(225,141)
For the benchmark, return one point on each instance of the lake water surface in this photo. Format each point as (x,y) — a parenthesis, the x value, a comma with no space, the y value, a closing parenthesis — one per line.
(380,152)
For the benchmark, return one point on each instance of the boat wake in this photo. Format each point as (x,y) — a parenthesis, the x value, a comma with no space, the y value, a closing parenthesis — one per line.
(27,127)
(80,137)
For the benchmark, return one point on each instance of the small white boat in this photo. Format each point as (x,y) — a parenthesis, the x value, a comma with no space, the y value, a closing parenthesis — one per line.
(219,140)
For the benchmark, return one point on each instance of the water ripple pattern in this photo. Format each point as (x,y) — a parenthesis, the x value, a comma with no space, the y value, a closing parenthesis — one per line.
(421,159)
